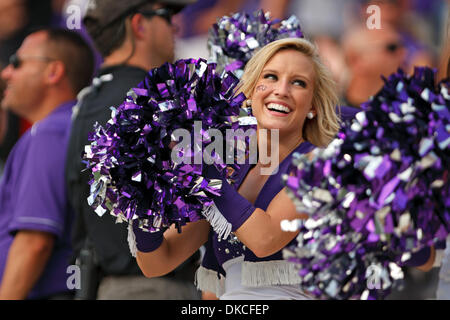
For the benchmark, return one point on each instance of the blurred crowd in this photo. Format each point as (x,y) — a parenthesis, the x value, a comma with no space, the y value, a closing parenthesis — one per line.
(412,33)
(409,33)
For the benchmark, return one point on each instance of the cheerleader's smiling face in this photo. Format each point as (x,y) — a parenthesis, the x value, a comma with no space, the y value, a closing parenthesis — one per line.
(284,91)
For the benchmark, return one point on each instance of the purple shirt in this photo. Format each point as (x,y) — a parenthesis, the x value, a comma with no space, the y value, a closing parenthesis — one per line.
(33,196)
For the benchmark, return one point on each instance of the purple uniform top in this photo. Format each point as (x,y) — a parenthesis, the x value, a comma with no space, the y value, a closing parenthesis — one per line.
(227,249)
(33,197)
(218,251)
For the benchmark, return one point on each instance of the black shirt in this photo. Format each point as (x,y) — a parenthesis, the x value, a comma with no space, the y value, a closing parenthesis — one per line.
(108,238)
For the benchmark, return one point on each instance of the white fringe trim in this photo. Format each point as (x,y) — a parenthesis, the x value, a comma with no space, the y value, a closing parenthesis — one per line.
(443,255)
(217,221)
(268,273)
(439,258)
(207,280)
(131,239)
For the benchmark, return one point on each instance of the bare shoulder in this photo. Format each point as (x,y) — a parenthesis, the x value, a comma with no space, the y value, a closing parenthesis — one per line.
(283,206)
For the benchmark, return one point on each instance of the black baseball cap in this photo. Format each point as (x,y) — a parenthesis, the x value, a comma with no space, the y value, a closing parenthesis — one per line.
(102,13)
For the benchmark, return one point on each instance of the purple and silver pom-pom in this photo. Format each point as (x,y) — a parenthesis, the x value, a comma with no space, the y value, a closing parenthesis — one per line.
(233,40)
(137,172)
(377,194)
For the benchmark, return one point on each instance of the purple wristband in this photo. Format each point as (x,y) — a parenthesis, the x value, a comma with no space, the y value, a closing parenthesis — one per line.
(147,241)
(418,258)
(234,207)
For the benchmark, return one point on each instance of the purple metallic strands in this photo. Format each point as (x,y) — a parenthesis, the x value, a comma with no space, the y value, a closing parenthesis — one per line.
(377,194)
(233,40)
(130,157)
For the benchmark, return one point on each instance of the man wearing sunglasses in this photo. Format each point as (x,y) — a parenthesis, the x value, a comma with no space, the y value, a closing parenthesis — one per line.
(370,54)
(132,36)
(42,81)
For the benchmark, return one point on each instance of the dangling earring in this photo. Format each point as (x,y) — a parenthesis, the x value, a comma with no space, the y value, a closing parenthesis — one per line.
(310,115)
(248,103)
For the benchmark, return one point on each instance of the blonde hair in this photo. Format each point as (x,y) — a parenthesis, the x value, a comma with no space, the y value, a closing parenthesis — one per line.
(323,127)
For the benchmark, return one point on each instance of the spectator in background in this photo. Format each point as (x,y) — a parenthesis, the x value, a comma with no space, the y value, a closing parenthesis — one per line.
(133,36)
(370,54)
(43,79)
(13,19)
(399,15)
(17,18)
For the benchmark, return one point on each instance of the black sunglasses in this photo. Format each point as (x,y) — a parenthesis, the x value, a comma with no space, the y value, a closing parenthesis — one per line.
(15,61)
(164,13)
(392,47)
